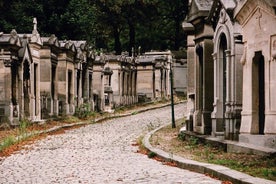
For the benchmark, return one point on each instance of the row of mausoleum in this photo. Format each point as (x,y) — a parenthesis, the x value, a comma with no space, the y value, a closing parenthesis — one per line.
(231,58)
(44,77)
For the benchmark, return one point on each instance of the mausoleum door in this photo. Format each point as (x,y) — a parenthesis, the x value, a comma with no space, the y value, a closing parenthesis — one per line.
(90,93)
(78,87)
(14,90)
(258,89)
(69,94)
(14,71)
(223,75)
(26,88)
(36,95)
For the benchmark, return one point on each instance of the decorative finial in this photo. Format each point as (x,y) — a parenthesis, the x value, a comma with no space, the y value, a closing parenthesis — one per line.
(35,26)
(35,23)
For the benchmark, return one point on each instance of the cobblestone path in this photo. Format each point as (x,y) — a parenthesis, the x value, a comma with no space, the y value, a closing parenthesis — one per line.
(98,153)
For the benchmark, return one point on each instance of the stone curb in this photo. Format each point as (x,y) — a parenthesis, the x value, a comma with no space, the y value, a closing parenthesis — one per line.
(217,171)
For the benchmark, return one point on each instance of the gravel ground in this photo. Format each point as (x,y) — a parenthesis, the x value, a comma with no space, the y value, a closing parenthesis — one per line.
(98,153)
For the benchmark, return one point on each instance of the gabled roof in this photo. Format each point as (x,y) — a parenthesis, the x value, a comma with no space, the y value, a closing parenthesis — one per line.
(214,14)
(145,59)
(10,39)
(81,44)
(242,13)
(69,45)
(52,40)
(199,9)
(24,53)
(228,4)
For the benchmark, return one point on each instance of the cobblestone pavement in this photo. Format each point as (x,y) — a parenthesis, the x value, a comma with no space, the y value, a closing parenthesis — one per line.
(98,153)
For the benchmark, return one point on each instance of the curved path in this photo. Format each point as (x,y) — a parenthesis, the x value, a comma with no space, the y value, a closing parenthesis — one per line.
(98,153)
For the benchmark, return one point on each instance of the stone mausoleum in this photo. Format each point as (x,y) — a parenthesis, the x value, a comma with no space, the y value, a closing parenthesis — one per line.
(231,54)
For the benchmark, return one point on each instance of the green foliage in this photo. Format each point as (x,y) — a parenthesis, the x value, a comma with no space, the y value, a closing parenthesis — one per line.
(112,25)
(269,172)
(134,113)
(151,154)
(181,136)
(23,125)
(8,141)
(208,154)
(84,111)
(193,141)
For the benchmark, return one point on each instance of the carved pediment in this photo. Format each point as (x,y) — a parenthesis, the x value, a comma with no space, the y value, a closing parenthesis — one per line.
(54,41)
(69,45)
(247,8)
(14,39)
(199,8)
(25,53)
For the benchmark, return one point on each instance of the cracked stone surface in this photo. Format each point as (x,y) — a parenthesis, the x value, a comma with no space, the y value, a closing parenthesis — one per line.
(98,153)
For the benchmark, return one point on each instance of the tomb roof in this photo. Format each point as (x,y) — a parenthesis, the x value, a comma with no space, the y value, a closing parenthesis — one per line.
(10,39)
(68,45)
(199,9)
(52,40)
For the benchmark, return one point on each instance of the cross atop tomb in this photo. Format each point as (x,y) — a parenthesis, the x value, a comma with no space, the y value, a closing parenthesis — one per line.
(35,26)
(35,23)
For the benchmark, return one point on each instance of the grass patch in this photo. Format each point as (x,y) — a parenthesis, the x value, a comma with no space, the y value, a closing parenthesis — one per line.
(8,141)
(151,154)
(169,140)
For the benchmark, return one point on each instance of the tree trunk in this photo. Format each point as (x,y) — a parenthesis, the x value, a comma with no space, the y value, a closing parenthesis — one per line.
(117,42)
(131,37)
(177,35)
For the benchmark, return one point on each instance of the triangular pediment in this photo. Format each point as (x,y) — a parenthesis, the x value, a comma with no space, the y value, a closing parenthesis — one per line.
(35,38)
(199,9)
(53,40)
(246,9)
(25,53)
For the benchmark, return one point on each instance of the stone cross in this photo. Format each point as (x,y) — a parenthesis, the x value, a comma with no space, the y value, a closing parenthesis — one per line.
(259,16)
(35,24)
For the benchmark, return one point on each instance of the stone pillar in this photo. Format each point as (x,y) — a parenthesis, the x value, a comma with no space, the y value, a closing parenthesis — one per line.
(270,108)
(76,97)
(207,89)
(204,87)
(190,82)
(80,98)
(55,97)
(217,114)
(32,97)
(86,87)
(228,111)
(198,88)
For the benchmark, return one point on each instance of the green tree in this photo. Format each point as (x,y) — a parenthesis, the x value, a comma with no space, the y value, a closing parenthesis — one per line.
(113,25)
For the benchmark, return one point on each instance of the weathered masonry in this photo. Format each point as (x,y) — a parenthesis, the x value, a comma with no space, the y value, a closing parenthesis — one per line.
(153,75)
(44,77)
(11,82)
(258,22)
(232,48)
(228,48)
(200,67)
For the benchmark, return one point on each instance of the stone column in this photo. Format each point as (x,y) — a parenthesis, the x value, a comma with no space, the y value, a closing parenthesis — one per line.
(247,120)
(270,97)
(80,89)
(215,110)
(207,86)
(228,111)
(190,82)
(76,96)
